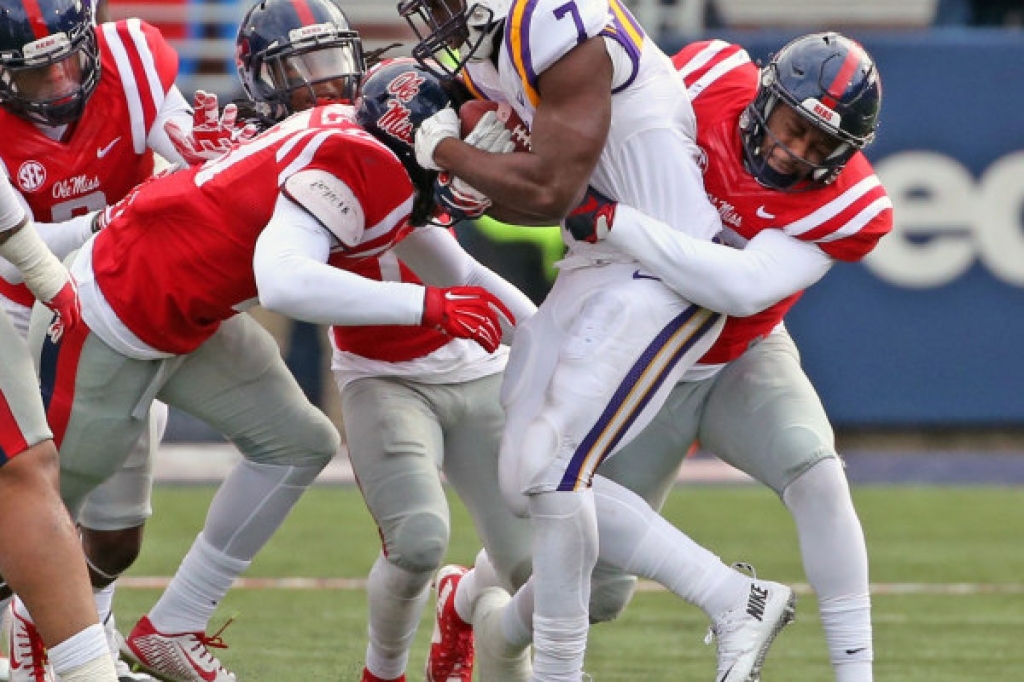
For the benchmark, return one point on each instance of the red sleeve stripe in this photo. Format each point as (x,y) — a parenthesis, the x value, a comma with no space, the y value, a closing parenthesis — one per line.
(701,59)
(390,221)
(305,154)
(134,58)
(857,223)
(832,208)
(735,60)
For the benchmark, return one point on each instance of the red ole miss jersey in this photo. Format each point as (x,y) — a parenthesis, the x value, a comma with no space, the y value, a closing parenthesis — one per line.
(104,154)
(390,343)
(176,260)
(845,219)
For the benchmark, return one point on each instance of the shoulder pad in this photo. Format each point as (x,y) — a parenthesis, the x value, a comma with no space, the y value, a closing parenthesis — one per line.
(330,201)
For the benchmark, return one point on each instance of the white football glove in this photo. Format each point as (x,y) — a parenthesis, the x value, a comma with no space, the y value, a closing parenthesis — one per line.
(440,126)
(491,135)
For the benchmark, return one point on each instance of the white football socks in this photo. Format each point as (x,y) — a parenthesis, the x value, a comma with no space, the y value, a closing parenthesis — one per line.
(396,598)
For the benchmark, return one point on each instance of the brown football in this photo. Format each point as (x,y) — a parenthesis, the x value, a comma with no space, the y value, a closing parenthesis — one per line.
(472,111)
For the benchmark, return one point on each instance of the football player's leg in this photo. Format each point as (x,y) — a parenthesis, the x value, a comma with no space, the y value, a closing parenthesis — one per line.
(237,383)
(472,446)
(112,522)
(41,557)
(395,444)
(648,466)
(765,418)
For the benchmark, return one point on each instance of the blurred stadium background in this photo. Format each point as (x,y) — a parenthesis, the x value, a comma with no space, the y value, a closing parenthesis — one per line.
(918,349)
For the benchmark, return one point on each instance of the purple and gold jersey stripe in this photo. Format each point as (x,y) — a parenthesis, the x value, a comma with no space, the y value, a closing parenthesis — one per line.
(467,80)
(635,392)
(625,30)
(517,41)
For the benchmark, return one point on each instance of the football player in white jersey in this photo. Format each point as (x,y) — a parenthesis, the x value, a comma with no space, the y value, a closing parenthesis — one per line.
(592,367)
(41,556)
(782,145)
(86,107)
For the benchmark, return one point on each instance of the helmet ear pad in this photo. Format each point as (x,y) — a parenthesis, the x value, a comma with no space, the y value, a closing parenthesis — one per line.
(831,82)
(397,96)
(279,53)
(69,35)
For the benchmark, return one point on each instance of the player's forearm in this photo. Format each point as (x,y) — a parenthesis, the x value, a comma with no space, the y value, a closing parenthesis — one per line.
(32,262)
(738,282)
(528,188)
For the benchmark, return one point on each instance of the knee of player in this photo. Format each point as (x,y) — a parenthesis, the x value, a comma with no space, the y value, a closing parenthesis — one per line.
(806,447)
(608,599)
(316,442)
(419,542)
(110,552)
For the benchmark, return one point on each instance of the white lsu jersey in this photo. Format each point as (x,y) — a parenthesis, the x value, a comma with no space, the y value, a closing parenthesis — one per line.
(648,102)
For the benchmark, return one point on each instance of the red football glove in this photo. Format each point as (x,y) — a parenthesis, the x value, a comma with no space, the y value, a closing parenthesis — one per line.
(592,220)
(68,308)
(466,313)
(210,137)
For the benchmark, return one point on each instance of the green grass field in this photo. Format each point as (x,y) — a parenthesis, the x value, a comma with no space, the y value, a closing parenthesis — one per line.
(948,565)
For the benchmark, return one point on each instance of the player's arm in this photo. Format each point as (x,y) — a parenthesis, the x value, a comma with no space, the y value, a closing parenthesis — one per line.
(737,282)
(293,277)
(22,248)
(438,259)
(176,111)
(568,134)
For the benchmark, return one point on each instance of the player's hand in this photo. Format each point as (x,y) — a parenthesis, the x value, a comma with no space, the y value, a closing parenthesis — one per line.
(68,308)
(490,135)
(442,125)
(592,220)
(210,136)
(458,199)
(467,313)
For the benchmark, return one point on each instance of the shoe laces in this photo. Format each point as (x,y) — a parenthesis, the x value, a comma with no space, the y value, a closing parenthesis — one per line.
(29,642)
(205,642)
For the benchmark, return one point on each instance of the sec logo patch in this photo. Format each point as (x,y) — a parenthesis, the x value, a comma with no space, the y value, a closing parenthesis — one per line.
(31,176)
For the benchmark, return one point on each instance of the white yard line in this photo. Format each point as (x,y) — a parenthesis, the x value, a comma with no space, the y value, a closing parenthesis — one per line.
(930,589)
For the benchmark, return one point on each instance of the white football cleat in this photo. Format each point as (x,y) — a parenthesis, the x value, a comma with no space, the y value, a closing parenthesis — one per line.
(176,657)
(451,646)
(496,659)
(28,658)
(745,633)
(116,643)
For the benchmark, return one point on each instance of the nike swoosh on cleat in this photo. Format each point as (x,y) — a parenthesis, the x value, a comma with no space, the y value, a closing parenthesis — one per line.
(641,275)
(851,652)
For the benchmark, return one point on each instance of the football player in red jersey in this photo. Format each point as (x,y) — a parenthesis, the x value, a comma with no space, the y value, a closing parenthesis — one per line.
(41,555)
(281,219)
(415,400)
(84,108)
(783,164)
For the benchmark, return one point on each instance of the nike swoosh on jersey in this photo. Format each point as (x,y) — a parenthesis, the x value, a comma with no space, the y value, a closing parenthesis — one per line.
(642,275)
(102,151)
(762,213)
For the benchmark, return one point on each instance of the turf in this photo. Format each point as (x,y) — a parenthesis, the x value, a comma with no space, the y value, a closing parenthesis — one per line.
(948,563)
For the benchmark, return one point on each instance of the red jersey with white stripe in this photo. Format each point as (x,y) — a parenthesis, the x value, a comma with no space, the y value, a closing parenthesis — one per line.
(177,259)
(845,219)
(391,343)
(104,154)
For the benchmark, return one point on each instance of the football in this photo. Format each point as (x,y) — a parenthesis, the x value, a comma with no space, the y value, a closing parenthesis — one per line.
(471,112)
